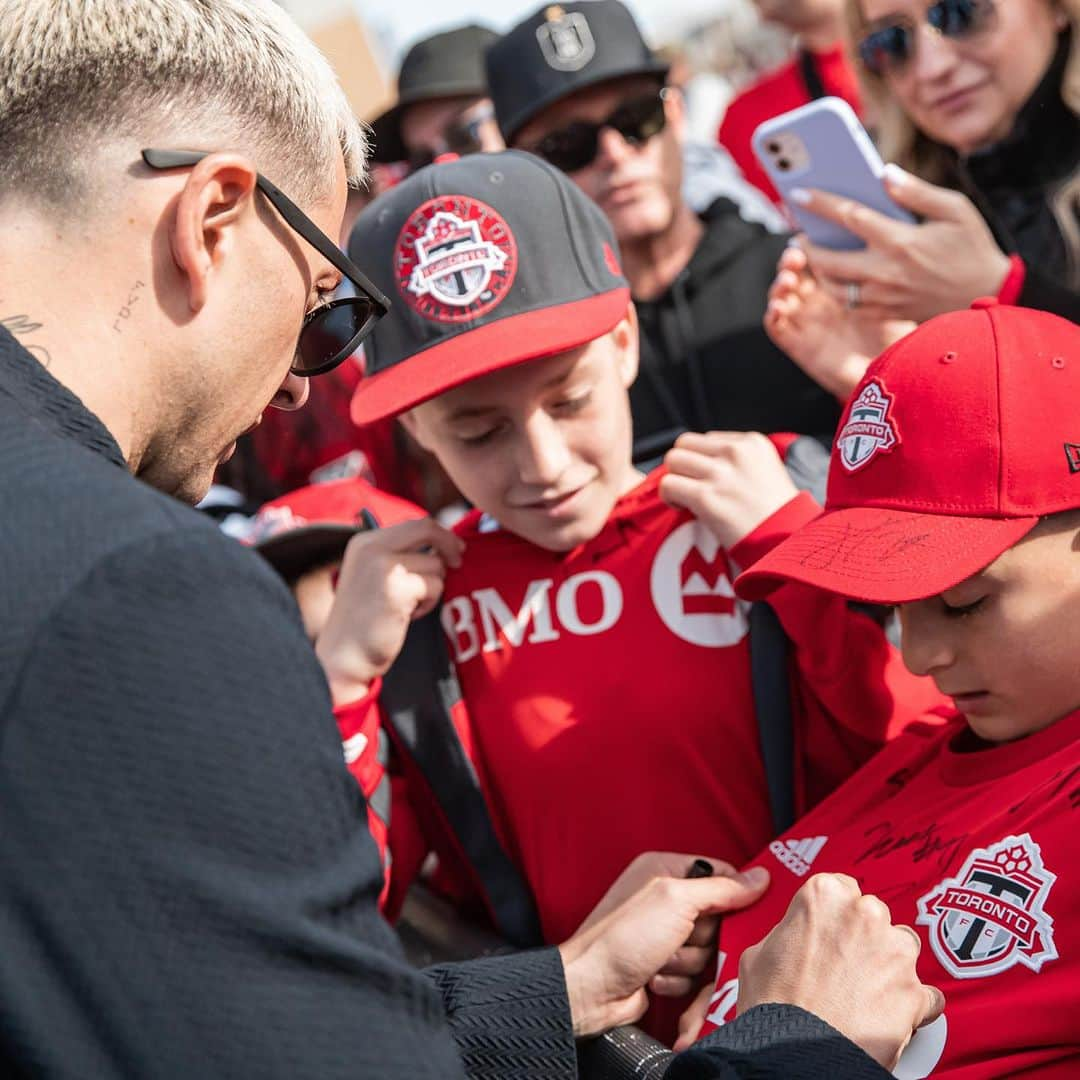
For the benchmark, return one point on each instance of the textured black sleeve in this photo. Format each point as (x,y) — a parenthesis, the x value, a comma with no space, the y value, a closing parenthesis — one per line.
(509,1016)
(779,1041)
(1044,293)
(187,884)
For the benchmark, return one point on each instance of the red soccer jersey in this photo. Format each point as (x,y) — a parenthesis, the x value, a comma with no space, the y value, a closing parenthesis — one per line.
(776,93)
(973,847)
(609,699)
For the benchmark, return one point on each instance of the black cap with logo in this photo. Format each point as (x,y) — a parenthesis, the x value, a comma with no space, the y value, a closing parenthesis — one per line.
(560,49)
(450,64)
(490,260)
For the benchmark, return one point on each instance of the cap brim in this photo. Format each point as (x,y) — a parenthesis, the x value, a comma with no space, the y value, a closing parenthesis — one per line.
(294,552)
(492,347)
(883,556)
(537,106)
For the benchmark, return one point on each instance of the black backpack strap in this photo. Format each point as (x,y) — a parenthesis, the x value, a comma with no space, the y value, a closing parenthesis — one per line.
(807,462)
(811,77)
(418,695)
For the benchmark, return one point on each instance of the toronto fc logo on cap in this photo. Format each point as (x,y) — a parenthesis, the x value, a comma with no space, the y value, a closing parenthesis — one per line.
(455,258)
(565,39)
(869,429)
(691,589)
(991,916)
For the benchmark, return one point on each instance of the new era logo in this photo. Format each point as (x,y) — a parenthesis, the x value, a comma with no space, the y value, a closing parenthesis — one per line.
(1072,455)
(797,855)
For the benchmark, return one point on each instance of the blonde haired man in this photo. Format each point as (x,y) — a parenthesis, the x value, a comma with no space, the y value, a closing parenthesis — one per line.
(187,886)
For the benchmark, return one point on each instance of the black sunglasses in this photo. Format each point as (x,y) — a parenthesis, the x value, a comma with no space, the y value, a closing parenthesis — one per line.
(460,137)
(576,145)
(890,45)
(331,332)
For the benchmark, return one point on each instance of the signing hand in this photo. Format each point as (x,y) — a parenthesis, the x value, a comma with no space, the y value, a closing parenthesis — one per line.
(837,954)
(909,271)
(388,578)
(832,345)
(609,962)
(730,480)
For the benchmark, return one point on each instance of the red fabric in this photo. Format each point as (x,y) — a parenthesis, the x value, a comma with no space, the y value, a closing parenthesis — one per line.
(339,502)
(916,505)
(776,93)
(906,827)
(1013,285)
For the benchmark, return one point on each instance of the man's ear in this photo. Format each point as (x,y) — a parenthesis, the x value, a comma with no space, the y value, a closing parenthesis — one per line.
(675,110)
(217,195)
(625,336)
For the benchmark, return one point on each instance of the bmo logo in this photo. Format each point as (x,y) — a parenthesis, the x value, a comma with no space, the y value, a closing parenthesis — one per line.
(584,604)
(691,589)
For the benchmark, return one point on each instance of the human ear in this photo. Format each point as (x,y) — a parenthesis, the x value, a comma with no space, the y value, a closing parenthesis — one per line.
(216,196)
(675,110)
(625,336)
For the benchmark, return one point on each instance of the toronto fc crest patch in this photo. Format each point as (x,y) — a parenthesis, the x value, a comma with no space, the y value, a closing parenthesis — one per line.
(869,430)
(455,259)
(992,915)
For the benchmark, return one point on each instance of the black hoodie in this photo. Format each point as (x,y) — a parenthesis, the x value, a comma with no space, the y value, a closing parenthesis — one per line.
(706,362)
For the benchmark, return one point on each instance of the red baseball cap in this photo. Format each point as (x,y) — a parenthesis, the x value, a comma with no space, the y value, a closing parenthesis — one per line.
(491,260)
(311,526)
(958,439)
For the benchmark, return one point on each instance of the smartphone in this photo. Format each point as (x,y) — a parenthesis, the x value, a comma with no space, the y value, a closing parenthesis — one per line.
(822,145)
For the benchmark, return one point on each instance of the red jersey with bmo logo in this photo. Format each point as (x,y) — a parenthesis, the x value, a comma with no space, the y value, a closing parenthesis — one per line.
(975,847)
(609,701)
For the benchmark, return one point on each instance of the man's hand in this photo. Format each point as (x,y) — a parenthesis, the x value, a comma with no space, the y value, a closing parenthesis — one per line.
(909,271)
(837,954)
(388,578)
(730,480)
(609,961)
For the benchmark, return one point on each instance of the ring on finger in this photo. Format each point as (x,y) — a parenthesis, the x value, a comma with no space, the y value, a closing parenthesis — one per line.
(853,295)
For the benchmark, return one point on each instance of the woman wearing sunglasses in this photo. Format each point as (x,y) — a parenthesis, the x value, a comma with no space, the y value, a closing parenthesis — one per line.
(977,101)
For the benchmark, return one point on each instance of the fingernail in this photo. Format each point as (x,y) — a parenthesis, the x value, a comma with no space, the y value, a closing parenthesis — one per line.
(893,174)
(800,195)
(756,875)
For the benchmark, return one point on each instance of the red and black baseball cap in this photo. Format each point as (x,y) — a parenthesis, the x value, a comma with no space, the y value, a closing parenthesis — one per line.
(957,441)
(310,527)
(491,260)
(559,50)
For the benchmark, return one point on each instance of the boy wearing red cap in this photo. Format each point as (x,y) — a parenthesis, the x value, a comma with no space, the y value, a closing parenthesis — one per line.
(601,653)
(954,492)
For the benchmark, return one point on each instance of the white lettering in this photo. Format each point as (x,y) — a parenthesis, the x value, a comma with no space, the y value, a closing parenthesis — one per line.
(495,615)
(566,603)
(457,620)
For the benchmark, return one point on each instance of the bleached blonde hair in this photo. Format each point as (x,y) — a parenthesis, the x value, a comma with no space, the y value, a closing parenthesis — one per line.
(79,76)
(897,137)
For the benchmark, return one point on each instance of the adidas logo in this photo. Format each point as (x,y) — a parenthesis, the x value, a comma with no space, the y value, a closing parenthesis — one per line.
(797,855)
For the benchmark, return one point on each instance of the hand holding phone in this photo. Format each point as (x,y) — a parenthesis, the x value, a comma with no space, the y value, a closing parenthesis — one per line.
(823,146)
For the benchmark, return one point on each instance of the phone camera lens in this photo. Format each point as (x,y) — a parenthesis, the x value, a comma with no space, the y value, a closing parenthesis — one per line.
(773,147)
(783,164)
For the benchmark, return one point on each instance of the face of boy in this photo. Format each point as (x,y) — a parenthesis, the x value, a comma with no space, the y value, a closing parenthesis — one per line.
(544,446)
(1003,643)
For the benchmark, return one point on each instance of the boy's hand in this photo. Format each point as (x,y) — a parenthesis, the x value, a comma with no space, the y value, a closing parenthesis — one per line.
(730,480)
(608,965)
(388,578)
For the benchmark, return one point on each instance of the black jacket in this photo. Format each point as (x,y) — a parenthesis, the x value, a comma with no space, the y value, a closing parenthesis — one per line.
(706,362)
(1028,189)
(187,883)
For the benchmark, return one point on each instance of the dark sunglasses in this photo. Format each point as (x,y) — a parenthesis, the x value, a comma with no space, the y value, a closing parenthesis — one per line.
(331,332)
(576,145)
(460,137)
(890,45)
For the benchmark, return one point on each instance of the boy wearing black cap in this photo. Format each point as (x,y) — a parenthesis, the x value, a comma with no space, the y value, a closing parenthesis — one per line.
(954,492)
(576,84)
(603,658)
